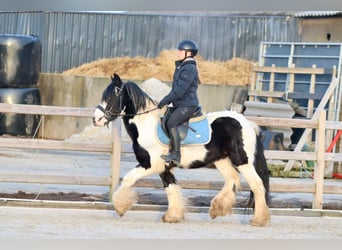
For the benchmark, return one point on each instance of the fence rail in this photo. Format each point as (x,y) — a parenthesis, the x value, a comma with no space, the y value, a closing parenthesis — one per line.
(319,156)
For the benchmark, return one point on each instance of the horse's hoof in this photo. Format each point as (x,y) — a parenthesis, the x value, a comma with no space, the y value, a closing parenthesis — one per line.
(121,214)
(123,200)
(259,223)
(172,219)
(218,209)
(261,219)
(213,213)
(121,211)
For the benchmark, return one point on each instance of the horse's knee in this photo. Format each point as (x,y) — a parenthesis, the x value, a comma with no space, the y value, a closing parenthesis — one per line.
(167,178)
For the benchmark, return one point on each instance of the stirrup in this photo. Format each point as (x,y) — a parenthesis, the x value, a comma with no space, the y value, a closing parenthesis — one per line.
(171,158)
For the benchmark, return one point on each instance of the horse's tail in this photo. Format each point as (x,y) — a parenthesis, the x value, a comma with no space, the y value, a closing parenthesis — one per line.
(261,168)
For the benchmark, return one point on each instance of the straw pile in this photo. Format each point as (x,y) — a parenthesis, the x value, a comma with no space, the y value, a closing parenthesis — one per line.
(236,71)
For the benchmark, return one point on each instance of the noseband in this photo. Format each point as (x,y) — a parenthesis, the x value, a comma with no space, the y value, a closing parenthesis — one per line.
(108,112)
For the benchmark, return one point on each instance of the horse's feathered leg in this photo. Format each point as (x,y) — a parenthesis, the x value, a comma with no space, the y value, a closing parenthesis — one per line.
(256,174)
(124,197)
(224,201)
(261,216)
(176,203)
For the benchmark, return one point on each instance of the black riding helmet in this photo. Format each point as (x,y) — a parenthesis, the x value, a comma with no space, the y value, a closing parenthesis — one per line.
(188,45)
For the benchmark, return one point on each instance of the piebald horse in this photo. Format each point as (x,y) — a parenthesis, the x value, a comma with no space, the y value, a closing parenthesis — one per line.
(234,148)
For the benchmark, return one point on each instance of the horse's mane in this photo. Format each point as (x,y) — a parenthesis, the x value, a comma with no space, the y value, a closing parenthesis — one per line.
(138,96)
(108,92)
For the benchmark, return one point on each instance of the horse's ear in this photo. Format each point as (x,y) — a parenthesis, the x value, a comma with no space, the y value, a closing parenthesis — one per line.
(116,79)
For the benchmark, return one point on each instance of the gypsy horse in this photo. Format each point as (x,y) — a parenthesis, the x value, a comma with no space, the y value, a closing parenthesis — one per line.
(234,148)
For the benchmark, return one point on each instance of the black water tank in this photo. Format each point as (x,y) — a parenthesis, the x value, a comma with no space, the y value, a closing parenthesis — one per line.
(19,124)
(20,60)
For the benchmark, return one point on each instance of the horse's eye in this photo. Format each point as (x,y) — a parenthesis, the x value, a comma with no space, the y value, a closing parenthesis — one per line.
(117,91)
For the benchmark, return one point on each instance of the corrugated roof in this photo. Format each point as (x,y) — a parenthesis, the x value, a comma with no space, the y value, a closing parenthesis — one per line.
(318,13)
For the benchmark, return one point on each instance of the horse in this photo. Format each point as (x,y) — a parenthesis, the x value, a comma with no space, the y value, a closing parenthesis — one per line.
(234,148)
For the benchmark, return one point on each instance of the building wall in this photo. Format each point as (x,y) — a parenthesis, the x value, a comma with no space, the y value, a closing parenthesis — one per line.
(324,29)
(70,39)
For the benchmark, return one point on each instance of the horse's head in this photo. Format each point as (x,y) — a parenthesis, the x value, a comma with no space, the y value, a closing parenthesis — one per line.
(110,107)
(122,99)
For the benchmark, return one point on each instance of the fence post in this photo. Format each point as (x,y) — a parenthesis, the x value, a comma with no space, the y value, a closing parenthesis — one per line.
(115,156)
(320,164)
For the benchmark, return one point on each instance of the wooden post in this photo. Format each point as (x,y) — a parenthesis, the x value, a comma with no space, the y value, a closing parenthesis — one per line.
(311,91)
(319,166)
(116,156)
(271,86)
(290,88)
(253,84)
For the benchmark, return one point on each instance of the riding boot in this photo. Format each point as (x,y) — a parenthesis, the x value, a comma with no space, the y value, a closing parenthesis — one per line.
(174,152)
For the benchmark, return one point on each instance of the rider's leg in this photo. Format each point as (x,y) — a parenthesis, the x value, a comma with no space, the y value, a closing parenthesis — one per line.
(174,152)
(178,116)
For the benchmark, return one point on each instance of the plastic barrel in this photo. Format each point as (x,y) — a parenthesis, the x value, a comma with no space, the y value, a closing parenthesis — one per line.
(20,60)
(19,124)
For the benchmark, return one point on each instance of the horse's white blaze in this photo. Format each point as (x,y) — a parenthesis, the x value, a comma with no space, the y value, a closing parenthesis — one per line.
(98,116)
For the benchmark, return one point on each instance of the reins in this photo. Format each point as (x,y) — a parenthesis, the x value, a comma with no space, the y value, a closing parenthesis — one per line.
(143,113)
(107,113)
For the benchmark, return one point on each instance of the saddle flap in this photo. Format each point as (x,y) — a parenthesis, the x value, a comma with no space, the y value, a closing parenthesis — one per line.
(196,131)
(182,129)
(198,115)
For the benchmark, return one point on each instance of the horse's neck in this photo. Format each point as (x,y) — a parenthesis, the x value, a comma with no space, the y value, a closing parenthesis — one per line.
(146,124)
(147,116)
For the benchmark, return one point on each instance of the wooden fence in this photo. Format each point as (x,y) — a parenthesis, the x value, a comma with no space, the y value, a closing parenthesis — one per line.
(319,156)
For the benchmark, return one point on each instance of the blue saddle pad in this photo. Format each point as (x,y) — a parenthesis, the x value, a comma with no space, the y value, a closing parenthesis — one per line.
(200,135)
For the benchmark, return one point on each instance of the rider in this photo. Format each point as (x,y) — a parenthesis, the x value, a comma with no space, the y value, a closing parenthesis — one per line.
(183,96)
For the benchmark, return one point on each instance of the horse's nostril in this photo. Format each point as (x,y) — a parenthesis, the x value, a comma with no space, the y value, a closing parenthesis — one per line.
(94,122)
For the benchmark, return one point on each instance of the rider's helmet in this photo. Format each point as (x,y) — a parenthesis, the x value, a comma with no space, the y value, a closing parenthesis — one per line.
(188,45)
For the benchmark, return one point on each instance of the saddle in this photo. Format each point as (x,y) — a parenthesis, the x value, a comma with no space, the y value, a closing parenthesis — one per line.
(196,130)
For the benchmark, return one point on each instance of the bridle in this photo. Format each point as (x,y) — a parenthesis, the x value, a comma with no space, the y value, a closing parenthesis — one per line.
(108,112)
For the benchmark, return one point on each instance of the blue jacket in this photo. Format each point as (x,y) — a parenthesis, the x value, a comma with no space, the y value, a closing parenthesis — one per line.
(184,86)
